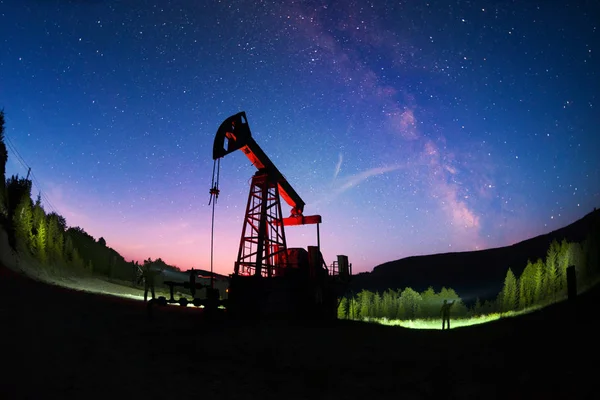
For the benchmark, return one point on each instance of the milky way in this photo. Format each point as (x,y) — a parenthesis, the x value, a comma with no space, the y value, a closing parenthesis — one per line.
(412,127)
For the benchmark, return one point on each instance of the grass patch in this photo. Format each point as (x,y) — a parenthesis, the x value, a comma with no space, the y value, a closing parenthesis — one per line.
(436,323)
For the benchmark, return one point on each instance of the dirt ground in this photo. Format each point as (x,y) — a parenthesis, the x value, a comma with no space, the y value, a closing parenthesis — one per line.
(60,343)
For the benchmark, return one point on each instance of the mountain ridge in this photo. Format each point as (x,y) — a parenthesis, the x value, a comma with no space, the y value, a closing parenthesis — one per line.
(463,271)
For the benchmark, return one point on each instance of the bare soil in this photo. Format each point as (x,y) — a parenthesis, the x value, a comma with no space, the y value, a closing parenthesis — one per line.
(61,343)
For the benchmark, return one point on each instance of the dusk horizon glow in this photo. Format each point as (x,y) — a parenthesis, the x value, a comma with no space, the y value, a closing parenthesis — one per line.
(412,128)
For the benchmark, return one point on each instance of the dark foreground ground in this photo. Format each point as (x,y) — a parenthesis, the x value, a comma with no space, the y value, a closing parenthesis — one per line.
(60,344)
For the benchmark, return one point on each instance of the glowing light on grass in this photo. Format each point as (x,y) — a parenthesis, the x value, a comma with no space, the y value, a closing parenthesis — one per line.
(454,323)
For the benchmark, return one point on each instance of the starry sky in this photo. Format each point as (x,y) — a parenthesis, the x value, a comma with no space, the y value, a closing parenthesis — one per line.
(412,127)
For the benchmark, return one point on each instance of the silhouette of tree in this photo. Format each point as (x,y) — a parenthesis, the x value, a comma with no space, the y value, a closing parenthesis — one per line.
(54,237)
(591,249)
(69,247)
(477,308)
(102,242)
(3,159)
(16,189)
(76,259)
(39,230)
(578,260)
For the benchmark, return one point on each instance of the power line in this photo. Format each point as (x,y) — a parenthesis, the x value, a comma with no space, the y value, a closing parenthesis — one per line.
(15,152)
(34,179)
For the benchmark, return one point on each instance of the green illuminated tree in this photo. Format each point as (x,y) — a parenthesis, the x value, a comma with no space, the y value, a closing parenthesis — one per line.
(389,304)
(410,303)
(377,305)
(39,230)
(527,285)
(344,308)
(539,277)
(23,223)
(551,281)
(365,301)
(56,231)
(430,303)
(38,211)
(401,313)
(509,292)
(40,241)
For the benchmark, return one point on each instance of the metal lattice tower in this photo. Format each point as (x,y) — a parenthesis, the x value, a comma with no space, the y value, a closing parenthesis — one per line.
(263,249)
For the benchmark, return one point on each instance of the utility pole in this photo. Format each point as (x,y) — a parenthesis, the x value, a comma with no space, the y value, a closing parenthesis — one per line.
(28,172)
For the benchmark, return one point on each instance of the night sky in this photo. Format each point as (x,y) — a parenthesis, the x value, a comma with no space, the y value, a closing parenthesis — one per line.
(412,127)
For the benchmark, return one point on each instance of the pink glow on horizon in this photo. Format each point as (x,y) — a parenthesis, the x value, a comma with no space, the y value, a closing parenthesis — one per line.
(176,241)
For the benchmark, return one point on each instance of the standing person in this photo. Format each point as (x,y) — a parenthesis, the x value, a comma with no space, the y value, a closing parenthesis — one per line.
(193,283)
(149,276)
(446,313)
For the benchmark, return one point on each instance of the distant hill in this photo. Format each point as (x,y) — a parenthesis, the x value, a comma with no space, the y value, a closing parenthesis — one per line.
(473,273)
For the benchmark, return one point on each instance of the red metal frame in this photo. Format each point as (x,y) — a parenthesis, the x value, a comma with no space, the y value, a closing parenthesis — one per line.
(263,248)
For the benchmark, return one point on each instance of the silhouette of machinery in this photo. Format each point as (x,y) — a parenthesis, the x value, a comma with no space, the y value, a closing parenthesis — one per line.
(270,279)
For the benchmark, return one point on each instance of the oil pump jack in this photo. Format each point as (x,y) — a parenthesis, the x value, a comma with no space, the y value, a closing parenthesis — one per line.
(270,279)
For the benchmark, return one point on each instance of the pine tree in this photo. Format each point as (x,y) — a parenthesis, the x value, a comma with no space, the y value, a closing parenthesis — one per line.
(54,237)
(523,296)
(509,292)
(539,281)
(527,284)
(389,304)
(344,308)
(38,211)
(563,262)
(23,223)
(16,189)
(377,306)
(477,308)
(59,246)
(365,300)
(551,282)
(68,252)
(77,261)
(40,240)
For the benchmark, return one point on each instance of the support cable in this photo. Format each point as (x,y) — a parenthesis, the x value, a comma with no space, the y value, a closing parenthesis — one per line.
(214,195)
